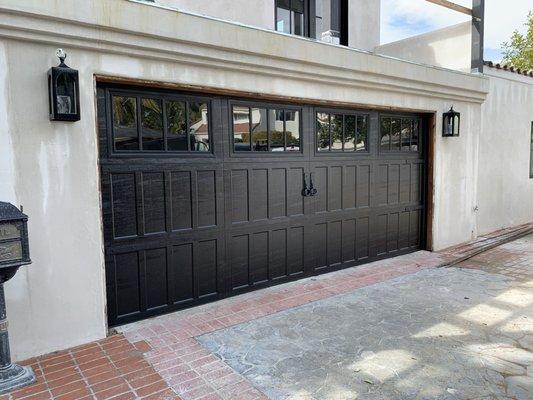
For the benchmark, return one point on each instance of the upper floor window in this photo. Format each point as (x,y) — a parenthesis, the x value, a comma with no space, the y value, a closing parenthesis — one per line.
(155,124)
(271,129)
(399,134)
(325,20)
(291,16)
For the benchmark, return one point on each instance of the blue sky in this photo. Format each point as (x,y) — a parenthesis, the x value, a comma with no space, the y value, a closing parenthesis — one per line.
(405,18)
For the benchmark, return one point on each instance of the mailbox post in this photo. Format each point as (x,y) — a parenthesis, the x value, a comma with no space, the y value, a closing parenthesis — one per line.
(14,252)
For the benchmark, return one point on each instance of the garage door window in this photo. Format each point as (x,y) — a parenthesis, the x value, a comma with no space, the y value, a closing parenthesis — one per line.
(166,125)
(399,134)
(260,129)
(341,132)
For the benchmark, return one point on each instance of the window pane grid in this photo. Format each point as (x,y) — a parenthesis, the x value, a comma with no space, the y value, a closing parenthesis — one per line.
(269,129)
(160,124)
(399,134)
(343,132)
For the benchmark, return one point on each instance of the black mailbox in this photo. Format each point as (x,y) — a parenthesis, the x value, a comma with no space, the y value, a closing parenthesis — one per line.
(14,248)
(14,252)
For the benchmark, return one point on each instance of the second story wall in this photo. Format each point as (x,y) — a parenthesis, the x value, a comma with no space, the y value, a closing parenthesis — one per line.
(364,24)
(363,15)
(259,13)
(449,47)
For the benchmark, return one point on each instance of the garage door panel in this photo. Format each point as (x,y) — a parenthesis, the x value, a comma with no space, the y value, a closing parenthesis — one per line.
(153,202)
(259,194)
(296,251)
(207,208)
(156,281)
(363,185)
(335,188)
(321,183)
(295,200)
(181,200)
(362,240)
(403,230)
(126,284)
(181,273)
(278,254)
(349,232)
(405,183)
(393,226)
(380,234)
(207,268)
(259,258)
(123,201)
(239,195)
(277,185)
(393,184)
(416,182)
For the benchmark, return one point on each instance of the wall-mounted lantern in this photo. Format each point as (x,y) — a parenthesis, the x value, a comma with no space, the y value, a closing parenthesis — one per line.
(64,91)
(451,122)
(14,252)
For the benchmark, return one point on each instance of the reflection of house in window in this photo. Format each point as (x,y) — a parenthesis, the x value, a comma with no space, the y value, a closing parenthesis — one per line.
(199,128)
(265,129)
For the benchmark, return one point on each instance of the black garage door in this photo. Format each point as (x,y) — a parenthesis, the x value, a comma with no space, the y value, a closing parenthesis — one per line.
(206,197)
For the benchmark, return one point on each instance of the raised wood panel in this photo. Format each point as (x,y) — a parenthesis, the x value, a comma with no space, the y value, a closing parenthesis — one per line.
(239,195)
(278,192)
(259,194)
(363,186)
(181,271)
(206,183)
(153,202)
(124,205)
(295,200)
(156,277)
(206,268)
(127,271)
(181,200)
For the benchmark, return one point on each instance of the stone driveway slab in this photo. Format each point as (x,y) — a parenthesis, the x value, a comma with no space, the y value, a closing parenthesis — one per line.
(438,334)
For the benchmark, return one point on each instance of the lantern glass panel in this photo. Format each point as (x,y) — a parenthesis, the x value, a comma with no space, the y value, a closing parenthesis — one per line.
(66,94)
(11,251)
(10,230)
(456,125)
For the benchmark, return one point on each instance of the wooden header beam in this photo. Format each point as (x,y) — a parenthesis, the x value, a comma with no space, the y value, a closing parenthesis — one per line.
(452,6)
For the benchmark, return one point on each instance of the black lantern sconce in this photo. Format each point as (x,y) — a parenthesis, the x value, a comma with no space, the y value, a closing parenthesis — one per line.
(64,91)
(14,252)
(451,122)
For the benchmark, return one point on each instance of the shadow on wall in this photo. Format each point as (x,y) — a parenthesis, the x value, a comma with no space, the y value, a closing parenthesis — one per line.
(449,47)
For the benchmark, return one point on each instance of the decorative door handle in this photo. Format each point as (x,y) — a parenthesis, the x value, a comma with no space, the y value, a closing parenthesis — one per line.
(305,190)
(312,190)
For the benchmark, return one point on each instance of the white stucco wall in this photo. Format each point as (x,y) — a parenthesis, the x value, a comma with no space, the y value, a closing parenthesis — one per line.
(449,47)
(259,13)
(364,24)
(505,190)
(51,167)
(364,16)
